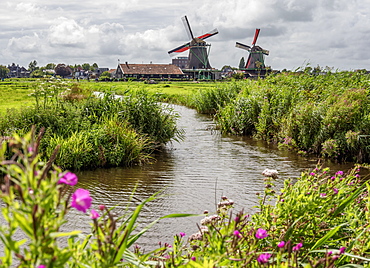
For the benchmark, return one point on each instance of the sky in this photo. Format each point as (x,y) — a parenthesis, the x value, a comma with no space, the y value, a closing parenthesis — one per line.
(298,33)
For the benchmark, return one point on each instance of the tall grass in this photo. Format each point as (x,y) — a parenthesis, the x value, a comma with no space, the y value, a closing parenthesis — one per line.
(323,114)
(97,131)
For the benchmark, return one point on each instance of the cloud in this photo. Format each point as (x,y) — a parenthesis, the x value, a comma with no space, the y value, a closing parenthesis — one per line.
(66,32)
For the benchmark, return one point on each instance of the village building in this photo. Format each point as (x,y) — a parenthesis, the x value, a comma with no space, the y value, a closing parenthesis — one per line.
(148,71)
(16,71)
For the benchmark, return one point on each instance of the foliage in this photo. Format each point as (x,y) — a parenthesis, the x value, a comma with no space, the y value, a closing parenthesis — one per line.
(62,70)
(311,111)
(318,220)
(37,196)
(94,131)
(3,71)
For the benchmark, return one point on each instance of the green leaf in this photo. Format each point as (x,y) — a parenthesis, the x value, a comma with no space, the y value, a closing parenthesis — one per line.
(349,200)
(326,237)
(60,234)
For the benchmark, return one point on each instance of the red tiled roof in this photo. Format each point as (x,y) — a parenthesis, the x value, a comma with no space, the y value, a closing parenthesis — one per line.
(164,69)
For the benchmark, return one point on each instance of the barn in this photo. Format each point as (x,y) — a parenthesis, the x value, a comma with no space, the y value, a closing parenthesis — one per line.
(148,71)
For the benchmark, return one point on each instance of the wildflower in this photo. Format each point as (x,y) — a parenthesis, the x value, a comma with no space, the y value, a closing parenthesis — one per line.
(41,266)
(237,234)
(312,174)
(340,173)
(101,207)
(297,247)
(193,258)
(323,195)
(94,215)
(281,244)
(335,190)
(330,253)
(182,234)
(342,250)
(81,200)
(68,178)
(263,258)
(261,233)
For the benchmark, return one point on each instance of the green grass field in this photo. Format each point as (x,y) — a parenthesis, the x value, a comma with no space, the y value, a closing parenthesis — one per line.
(15,93)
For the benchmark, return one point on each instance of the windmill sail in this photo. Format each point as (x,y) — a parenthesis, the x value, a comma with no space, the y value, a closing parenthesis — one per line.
(198,48)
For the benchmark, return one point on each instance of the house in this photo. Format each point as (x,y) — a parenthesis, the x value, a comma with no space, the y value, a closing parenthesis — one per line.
(17,71)
(148,71)
(181,62)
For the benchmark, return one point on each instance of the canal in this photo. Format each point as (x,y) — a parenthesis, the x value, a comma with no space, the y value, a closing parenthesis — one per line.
(192,175)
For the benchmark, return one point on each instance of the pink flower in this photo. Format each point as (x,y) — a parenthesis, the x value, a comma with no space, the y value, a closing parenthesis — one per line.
(41,266)
(263,258)
(237,234)
(281,244)
(193,258)
(94,215)
(297,247)
(81,200)
(101,207)
(340,173)
(261,233)
(182,234)
(335,190)
(68,178)
(342,250)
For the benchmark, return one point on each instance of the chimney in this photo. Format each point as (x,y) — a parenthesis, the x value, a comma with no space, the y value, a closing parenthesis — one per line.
(127,65)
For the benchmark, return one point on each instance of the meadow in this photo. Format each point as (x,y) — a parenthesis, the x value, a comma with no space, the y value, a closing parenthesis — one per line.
(320,219)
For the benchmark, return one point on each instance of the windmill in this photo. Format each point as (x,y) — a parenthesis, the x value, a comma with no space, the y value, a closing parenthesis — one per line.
(198,48)
(255,60)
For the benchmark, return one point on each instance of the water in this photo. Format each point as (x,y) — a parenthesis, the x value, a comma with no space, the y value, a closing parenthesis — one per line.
(193,175)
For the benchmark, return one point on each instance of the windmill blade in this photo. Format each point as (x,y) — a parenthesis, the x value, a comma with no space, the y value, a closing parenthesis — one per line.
(255,36)
(187,27)
(242,46)
(209,34)
(179,49)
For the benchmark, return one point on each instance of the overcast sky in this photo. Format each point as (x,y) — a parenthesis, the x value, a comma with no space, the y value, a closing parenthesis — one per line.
(333,33)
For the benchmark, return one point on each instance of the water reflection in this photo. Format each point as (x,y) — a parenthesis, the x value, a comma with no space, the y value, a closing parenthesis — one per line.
(193,175)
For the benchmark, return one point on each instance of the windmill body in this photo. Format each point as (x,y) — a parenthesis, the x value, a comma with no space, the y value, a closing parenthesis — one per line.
(198,48)
(256,61)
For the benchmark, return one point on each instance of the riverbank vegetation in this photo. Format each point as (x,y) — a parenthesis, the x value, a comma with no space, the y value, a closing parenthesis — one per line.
(317,220)
(325,115)
(93,131)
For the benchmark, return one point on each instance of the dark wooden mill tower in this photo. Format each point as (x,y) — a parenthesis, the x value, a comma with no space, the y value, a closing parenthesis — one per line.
(198,48)
(255,63)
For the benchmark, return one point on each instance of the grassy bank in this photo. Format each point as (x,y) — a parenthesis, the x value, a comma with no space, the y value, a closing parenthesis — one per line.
(93,131)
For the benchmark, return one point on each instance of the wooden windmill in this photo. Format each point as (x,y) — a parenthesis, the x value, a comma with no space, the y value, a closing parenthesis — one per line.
(198,48)
(255,60)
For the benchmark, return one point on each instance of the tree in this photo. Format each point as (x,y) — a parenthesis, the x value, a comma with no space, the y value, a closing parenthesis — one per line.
(242,63)
(86,66)
(62,70)
(37,74)
(95,66)
(3,71)
(32,66)
(50,66)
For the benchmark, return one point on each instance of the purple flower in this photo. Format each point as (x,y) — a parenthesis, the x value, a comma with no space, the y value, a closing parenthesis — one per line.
(81,200)
(340,173)
(68,178)
(101,207)
(312,174)
(263,258)
(41,266)
(193,258)
(322,194)
(182,234)
(261,233)
(342,250)
(297,247)
(94,215)
(237,234)
(281,244)
(335,190)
